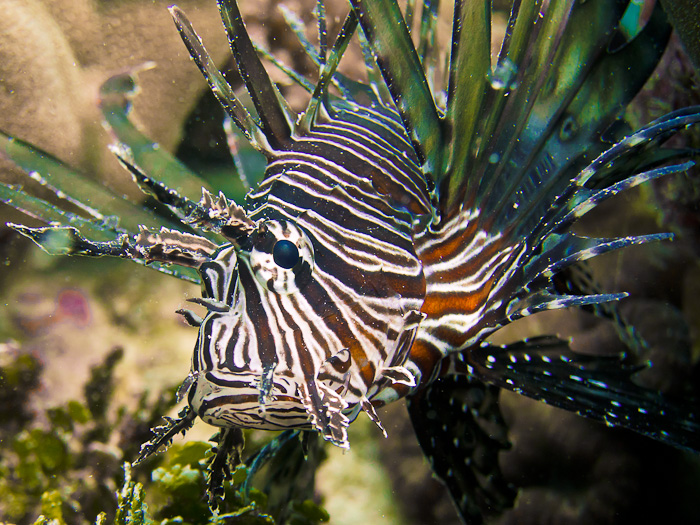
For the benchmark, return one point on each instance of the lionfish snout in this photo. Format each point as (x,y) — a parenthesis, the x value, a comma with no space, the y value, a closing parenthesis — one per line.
(239,379)
(226,398)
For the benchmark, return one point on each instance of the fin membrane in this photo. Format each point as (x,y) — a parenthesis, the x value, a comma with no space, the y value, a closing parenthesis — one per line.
(597,387)
(460,428)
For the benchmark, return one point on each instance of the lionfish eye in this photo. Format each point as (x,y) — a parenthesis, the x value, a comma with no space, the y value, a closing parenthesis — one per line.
(282,256)
(285,254)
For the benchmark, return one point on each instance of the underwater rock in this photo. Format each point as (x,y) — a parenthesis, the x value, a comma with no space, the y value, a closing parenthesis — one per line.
(685,17)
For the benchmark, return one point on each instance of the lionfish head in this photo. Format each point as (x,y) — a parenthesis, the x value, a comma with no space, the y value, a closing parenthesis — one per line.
(248,287)
(286,343)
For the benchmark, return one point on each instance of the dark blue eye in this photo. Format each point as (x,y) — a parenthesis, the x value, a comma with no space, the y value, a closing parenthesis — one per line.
(285,254)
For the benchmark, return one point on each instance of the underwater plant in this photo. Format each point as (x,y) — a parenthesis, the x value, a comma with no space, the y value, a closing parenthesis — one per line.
(399,223)
(68,472)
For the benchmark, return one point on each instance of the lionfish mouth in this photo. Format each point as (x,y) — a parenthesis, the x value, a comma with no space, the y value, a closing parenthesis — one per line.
(225,398)
(240,399)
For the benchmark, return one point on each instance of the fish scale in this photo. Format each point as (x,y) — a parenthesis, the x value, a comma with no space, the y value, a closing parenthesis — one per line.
(396,227)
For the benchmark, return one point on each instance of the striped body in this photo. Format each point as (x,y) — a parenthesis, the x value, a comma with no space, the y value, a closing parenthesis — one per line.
(413,248)
(342,332)
(390,296)
(466,270)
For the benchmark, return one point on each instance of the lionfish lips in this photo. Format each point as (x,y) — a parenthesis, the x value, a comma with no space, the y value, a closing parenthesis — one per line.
(226,398)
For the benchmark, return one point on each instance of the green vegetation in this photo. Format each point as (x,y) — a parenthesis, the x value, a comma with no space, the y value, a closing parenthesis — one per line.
(71,464)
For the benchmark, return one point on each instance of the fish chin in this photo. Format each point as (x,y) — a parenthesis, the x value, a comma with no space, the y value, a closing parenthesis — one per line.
(225,398)
(237,399)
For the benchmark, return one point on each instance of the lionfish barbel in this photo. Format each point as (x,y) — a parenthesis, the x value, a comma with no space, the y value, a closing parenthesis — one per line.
(399,224)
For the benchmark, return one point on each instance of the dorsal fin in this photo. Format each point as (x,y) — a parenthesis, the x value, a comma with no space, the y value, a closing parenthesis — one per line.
(329,65)
(390,41)
(275,118)
(217,83)
(471,52)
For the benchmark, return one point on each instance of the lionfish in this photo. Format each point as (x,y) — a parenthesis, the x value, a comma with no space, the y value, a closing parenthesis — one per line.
(399,223)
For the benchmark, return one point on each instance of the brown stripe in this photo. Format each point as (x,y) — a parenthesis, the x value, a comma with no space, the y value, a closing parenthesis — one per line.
(437,305)
(426,357)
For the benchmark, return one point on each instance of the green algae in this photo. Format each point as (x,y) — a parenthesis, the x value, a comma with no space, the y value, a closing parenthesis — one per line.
(70,463)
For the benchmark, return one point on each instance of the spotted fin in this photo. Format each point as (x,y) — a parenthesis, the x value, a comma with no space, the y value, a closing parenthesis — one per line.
(597,387)
(461,431)
(578,280)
